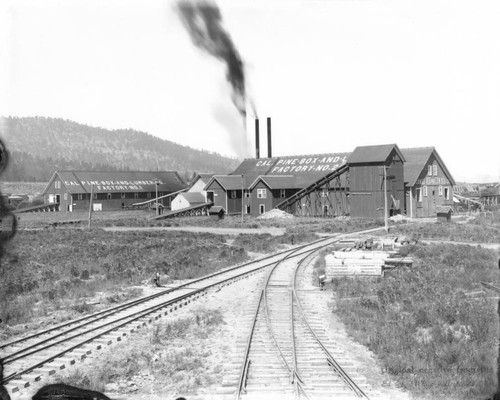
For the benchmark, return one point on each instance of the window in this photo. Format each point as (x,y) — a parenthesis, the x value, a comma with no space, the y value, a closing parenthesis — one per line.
(94,196)
(57,184)
(261,194)
(136,195)
(282,193)
(233,194)
(123,195)
(148,195)
(440,190)
(435,168)
(80,196)
(262,207)
(109,196)
(425,191)
(65,196)
(447,193)
(419,195)
(429,170)
(247,193)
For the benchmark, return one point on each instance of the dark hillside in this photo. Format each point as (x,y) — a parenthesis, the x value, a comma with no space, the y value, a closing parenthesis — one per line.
(38,146)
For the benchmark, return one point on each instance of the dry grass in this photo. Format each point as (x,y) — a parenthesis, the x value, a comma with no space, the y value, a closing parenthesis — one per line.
(173,356)
(429,334)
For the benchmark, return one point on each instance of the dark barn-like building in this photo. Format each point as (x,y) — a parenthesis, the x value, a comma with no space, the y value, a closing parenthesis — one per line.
(111,190)
(376,176)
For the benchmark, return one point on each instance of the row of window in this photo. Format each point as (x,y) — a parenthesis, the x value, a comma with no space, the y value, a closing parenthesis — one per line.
(432,170)
(261,193)
(441,190)
(95,196)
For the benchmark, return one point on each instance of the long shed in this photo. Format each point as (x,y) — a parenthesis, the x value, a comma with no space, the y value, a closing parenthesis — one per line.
(111,190)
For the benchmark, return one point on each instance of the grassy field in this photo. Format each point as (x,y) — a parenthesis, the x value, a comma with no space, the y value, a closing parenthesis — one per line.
(426,324)
(61,272)
(480,229)
(161,357)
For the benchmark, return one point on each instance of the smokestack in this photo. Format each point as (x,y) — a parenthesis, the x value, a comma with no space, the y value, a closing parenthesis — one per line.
(269,147)
(257,145)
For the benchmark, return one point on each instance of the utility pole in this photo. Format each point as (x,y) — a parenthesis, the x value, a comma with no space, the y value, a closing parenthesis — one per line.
(156,186)
(91,203)
(242,196)
(386,222)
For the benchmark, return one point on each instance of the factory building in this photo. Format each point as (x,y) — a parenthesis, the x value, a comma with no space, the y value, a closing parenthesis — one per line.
(429,184)
(267,182)
(360,184)
(376,181)
(111,190)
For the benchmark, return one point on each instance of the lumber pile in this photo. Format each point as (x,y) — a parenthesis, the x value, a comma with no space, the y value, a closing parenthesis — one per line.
(360,263)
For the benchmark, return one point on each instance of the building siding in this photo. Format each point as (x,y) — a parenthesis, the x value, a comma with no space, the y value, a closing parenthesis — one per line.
(257,202)
(427,207)
(367,187)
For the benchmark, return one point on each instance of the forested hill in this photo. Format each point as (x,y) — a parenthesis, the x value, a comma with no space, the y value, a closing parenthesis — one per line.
(38,146)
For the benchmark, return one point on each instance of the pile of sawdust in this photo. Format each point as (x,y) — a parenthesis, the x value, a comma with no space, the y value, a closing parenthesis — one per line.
(275,214)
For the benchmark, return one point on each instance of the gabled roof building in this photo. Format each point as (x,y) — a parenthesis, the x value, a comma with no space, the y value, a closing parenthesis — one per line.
(111,190)
(416,181)
(429,183)
(376,181)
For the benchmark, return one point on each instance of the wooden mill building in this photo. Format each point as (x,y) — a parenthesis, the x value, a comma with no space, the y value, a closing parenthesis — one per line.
(111,190)
(266,182)
(429,184)
(376,181)
(416,182)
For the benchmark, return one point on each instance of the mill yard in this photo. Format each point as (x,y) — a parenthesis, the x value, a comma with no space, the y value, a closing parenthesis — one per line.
(412,330)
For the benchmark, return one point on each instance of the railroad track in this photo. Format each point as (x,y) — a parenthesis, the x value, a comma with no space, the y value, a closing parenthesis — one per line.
(287,354)
(29,359)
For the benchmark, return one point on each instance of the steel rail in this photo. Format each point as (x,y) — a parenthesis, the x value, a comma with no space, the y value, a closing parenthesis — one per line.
(158,307)
(246,362)
(271,331)
(102,313)
(330,359)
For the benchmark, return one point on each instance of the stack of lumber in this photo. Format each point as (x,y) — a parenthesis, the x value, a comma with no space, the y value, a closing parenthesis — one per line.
(355,263)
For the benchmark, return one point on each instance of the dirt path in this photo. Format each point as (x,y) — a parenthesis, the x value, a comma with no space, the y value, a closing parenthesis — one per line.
(201,229)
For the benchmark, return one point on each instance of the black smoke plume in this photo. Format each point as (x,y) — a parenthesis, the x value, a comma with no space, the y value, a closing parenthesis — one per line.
(203,21)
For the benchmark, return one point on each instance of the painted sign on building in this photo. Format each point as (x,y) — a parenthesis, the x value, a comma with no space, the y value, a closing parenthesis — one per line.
(114,185)
(320,163)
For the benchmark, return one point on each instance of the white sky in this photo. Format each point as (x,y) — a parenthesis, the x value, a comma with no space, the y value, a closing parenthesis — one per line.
(332,74)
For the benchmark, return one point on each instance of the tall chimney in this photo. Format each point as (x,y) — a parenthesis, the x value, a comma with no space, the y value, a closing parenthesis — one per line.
(257,145)
(269,147)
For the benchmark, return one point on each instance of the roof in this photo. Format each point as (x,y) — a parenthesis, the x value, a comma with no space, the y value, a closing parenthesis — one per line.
(416,161)
(118,181)
(305,168)
(443,209)
(203,176)
(228,182)
(373,154)
(276,181)
(216,210)
(193,197)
